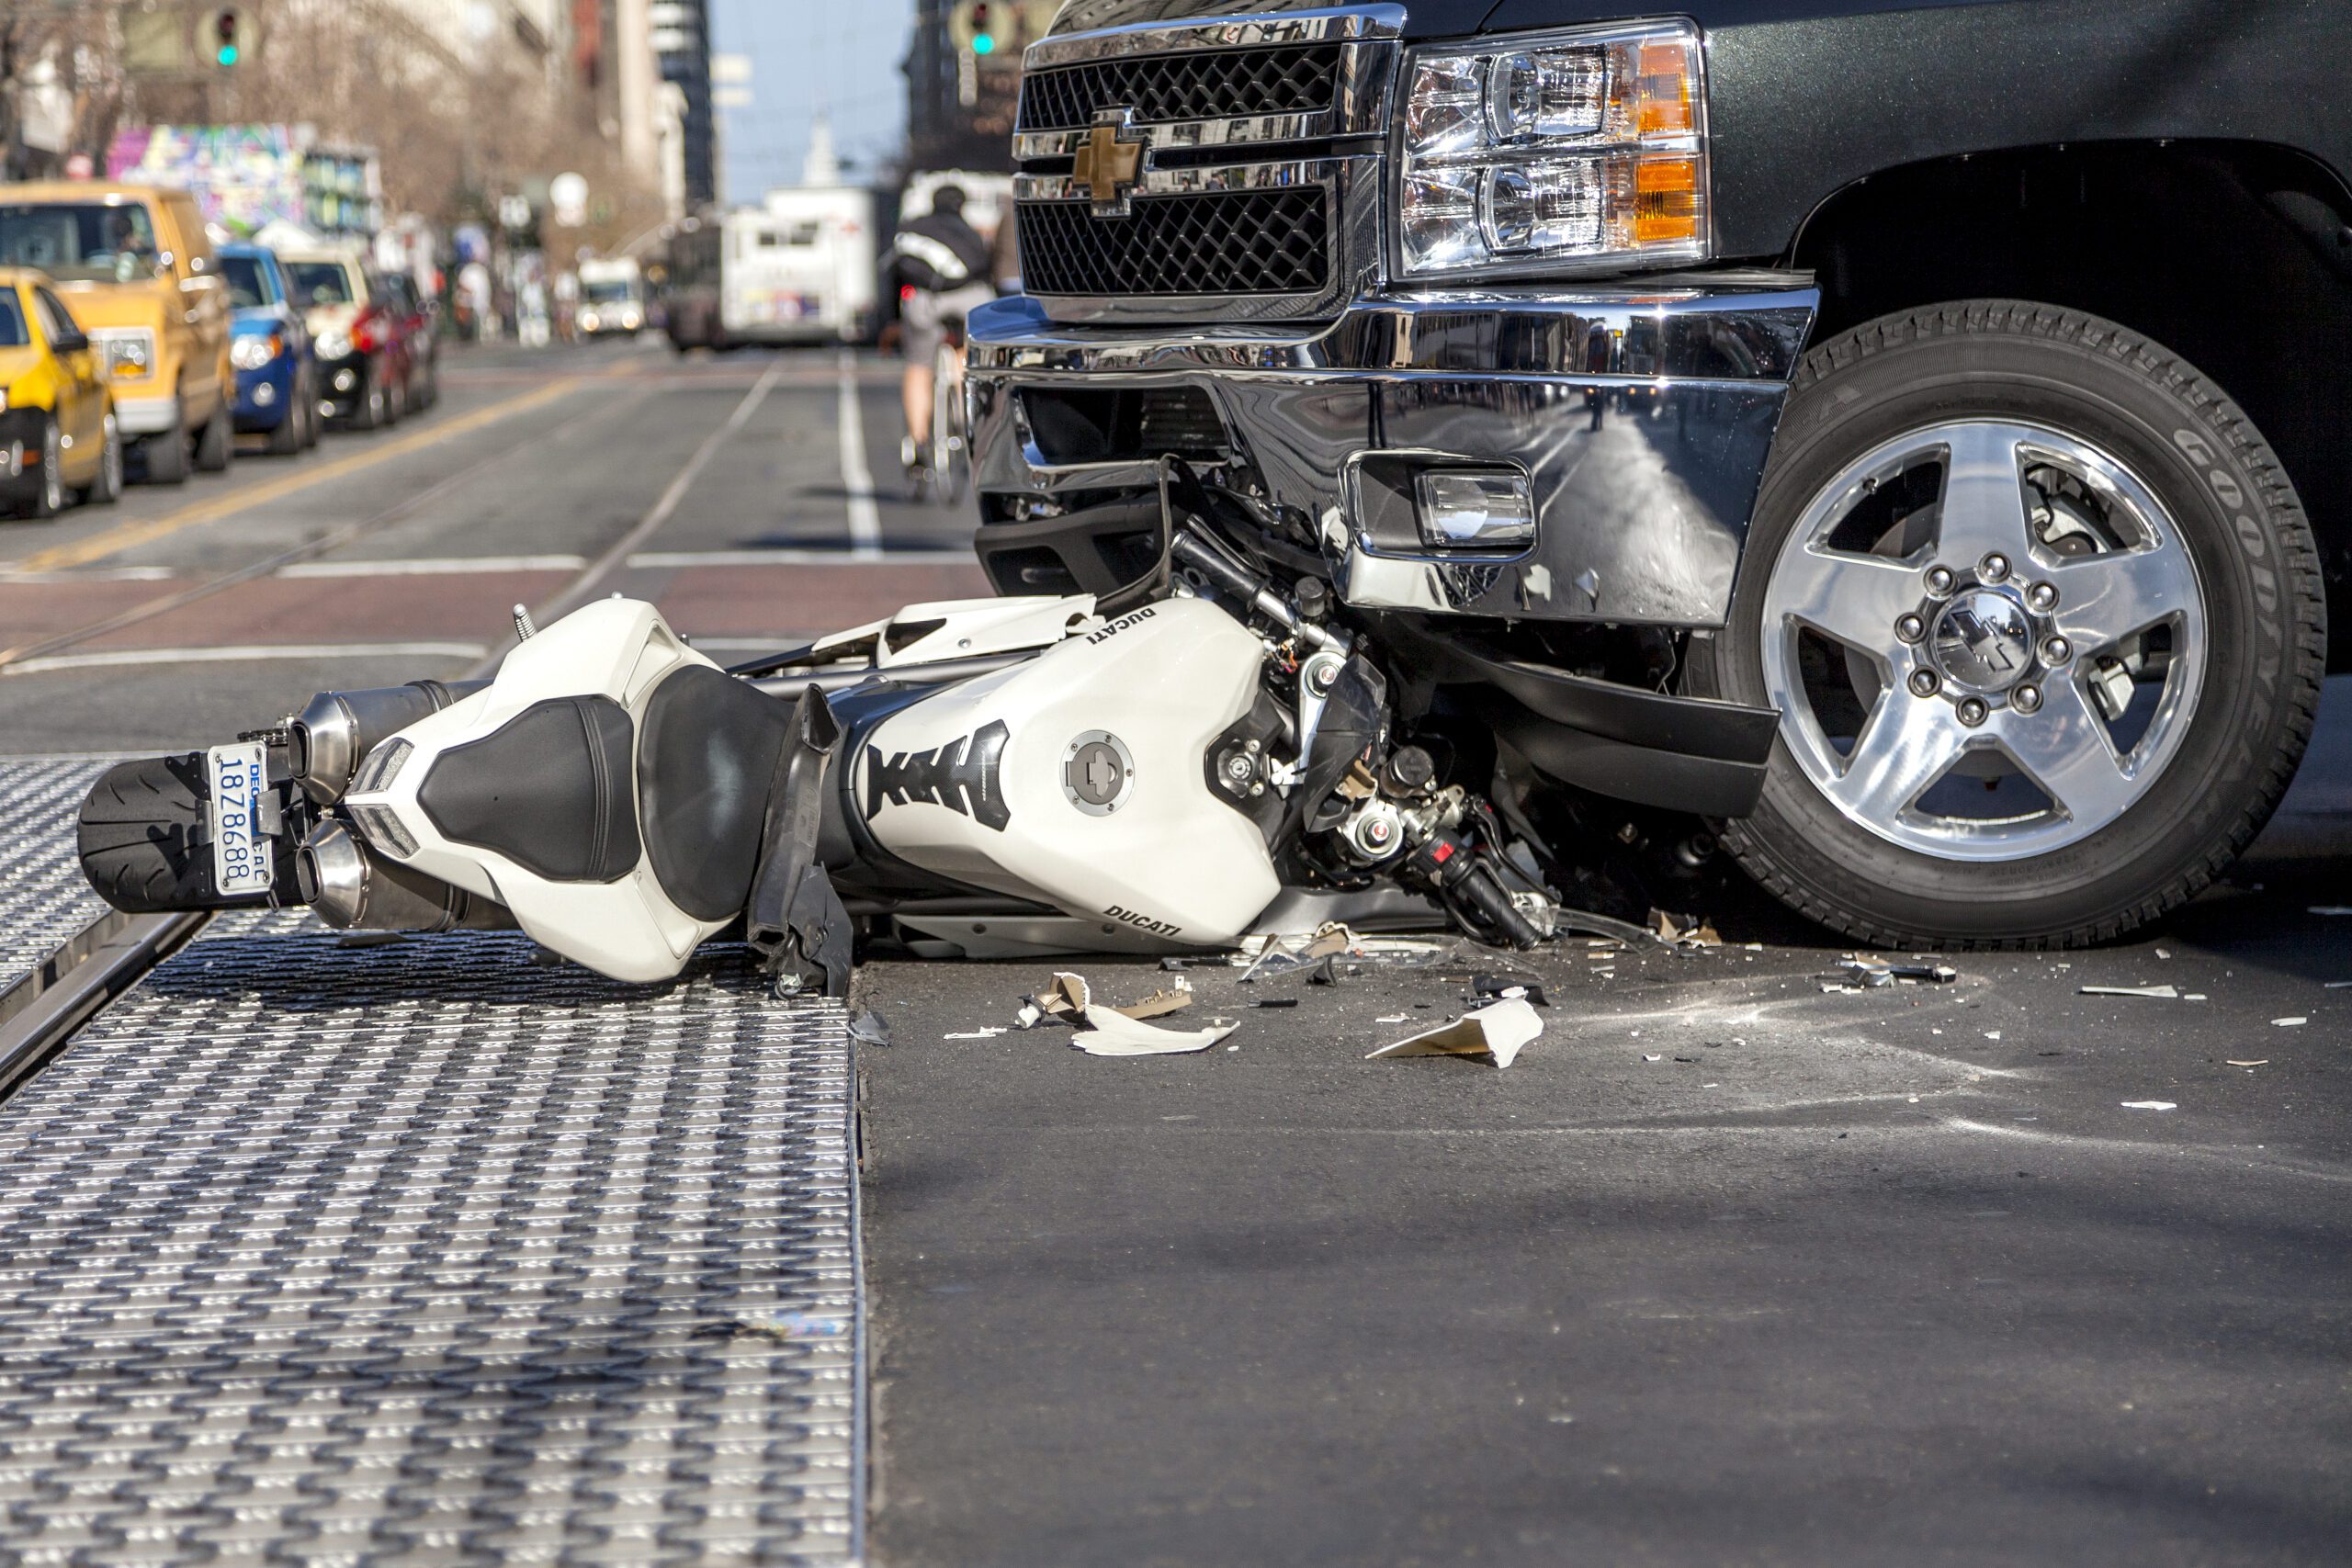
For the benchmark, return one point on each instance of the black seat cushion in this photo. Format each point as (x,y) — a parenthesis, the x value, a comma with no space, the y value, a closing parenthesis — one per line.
(550,791)
(703,770)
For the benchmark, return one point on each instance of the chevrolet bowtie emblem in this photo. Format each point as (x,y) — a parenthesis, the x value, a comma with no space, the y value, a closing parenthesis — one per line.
(1106,169)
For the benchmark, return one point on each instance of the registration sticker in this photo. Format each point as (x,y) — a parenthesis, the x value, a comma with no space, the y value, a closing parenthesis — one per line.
(241,862)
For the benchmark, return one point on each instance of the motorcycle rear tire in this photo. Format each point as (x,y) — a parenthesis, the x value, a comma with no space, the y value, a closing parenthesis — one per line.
(136,832)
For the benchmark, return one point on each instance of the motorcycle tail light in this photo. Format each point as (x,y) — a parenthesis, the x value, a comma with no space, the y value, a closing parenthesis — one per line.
(383,829)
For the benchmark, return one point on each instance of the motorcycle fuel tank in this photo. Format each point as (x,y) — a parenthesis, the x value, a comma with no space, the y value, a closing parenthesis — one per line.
(1079,779)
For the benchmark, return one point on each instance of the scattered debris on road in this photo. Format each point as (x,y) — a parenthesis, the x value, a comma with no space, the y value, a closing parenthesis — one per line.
(2158,993)
(1683,930)
(1497,1032)
(2289,1022)
(1859,972)
(2263,1063)
(2150,1105)
(1271,956)
(869,1028)
(1505,985)
(1119,1031)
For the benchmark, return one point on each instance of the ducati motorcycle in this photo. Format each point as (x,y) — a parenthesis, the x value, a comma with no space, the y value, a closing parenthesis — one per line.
(1209,754)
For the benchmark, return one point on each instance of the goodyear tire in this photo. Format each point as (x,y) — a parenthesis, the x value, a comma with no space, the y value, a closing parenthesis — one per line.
(2044,620)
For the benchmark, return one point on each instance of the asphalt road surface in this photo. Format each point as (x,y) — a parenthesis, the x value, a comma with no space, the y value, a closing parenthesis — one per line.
(1725,1270)
(730,490)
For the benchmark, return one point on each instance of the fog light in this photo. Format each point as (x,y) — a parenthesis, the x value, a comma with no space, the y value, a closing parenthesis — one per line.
(344,381)
(1468,511)
(264,395)
(16,459)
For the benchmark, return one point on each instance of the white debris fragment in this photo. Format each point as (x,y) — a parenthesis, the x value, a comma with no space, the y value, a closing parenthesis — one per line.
(2263,1063)
(2289,1022)
(1104,1032)
(1497,1032)
(1992,1034)
(1394,1018)
(1647,1057)
(2160,993)
(977,1034)
(2150,1105)
(2332,908)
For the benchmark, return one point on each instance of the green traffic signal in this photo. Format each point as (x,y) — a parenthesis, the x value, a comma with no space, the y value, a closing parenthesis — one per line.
(983,44)
(228,55)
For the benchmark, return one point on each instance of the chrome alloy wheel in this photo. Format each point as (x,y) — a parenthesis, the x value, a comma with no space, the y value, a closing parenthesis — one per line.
(1986,640)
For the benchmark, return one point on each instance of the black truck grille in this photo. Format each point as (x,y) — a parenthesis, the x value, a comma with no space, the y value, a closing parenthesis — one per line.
(1274,242)
(1223,84)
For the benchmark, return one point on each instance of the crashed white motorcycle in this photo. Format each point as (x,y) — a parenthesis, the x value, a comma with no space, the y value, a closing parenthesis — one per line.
(992,777)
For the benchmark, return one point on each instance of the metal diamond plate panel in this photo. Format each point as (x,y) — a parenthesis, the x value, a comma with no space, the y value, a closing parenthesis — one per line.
(43,899)
(423,1252)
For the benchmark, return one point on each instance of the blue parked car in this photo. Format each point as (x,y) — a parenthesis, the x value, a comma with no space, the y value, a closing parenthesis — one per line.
(278,373)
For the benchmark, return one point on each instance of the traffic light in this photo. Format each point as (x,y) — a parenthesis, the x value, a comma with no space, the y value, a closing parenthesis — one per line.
(227,38)
(983,30)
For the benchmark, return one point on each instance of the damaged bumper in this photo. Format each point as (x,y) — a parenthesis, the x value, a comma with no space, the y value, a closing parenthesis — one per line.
(1635,423)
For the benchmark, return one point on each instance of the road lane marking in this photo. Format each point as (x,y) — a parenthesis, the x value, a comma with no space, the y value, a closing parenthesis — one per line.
(617,554)
(448,566)
(128,535)
(101,574)
(250,653)
(857,478)
(12,659)
(678,561)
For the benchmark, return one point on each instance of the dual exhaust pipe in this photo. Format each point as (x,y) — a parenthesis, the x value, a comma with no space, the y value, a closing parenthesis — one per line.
(351,885)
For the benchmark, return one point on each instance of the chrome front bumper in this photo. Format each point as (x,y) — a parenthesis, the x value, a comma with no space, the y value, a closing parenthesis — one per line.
(1642,420)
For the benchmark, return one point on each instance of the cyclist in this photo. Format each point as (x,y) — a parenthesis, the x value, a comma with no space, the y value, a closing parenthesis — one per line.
(942,268)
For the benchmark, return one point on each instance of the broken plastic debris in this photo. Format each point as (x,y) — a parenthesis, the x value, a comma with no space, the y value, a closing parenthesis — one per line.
(1394,1018)
(1650,1058)
(2263,1063)
(977,1034)
(868,1029)
(1683,930)
(2289,1022)
(1107,1031)
(1497,1032)
(1857,972)
(2161,993)
(2332,908)
(1275,955)
(2150,1105)
(1507,986)
(1159,1004)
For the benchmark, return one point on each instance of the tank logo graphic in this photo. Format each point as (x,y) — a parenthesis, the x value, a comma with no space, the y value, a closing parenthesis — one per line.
(962,775)
(1121,623)
(1142,923)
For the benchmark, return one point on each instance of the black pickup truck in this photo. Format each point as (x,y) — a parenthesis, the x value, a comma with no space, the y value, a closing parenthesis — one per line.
(1914,435)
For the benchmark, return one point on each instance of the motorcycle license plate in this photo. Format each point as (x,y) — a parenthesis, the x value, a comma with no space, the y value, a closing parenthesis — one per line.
(241,863)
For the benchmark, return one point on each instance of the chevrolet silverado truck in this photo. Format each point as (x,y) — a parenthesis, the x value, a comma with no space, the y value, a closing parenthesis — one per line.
(1909,434)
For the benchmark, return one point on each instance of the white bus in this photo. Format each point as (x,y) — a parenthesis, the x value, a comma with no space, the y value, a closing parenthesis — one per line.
(801,268)
(612,297)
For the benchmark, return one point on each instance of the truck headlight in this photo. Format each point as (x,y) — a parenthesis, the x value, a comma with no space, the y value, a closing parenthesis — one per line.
(129,353)
(1556,152)
(333,345)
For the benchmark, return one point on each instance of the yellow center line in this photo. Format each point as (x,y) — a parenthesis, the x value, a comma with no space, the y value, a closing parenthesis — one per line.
(128,535)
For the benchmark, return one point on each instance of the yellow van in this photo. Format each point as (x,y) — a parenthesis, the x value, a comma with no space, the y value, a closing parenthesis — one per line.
(134,266)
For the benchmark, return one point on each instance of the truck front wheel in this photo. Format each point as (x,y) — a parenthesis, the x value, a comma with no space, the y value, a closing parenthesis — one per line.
(2044,622)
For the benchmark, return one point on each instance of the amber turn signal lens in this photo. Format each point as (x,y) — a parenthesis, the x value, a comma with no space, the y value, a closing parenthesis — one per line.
(1664,94)
(1665,201)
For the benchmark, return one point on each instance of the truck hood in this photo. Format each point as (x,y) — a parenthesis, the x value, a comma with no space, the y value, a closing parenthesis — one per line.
(96,305)
(15,362)
(1423,18)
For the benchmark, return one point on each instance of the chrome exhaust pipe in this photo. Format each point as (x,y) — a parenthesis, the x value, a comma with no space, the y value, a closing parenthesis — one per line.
(352,888)
(338,730)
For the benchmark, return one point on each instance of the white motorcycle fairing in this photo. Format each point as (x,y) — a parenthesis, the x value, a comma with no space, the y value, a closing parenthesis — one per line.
(627,928)
(1075,780)
(1079,779)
